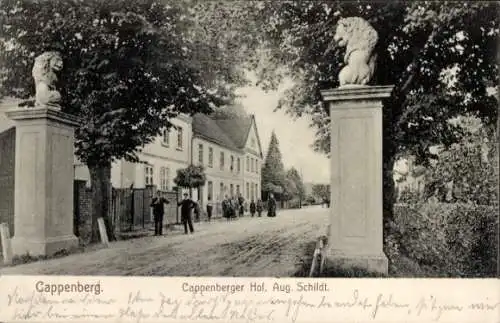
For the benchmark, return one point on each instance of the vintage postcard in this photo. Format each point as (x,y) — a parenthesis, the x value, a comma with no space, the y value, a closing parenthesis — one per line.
(249,161)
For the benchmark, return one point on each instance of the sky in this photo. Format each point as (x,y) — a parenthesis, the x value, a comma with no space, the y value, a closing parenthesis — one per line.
(295,137)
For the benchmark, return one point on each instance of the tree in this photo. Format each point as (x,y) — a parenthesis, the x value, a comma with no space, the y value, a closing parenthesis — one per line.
(273,171)
(230,112)
(440,56)
(190,177)
(294,186)
(468,169)
(321,191)
(129,67)
(290,189)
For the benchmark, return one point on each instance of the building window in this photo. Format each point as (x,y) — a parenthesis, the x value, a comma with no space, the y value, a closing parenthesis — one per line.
(231,189)
(252,192)
(252,165)
(179,138)
(166,137)
(148,175)
(248,164)
(221,190)
(257,166)
(210,157)
(210,193)
(232,163)
(237,190)
(248,191)
(221,160)
(164,178)
(256,191)
(200,154)
(238,165)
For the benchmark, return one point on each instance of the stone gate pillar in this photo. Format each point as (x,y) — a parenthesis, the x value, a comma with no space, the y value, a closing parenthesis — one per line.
(44,174)
(356,227)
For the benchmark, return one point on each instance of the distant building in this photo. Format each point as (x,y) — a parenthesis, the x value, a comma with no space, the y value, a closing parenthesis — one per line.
(231,152)
(158,161)
(228,148)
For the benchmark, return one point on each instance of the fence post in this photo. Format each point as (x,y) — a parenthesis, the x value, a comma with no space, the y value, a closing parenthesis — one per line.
(143,215)
(132,209)
(110,210)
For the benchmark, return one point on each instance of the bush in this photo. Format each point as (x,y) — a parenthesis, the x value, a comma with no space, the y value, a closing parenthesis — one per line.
(293,204)
(310,200)
(454,240)
(409,196)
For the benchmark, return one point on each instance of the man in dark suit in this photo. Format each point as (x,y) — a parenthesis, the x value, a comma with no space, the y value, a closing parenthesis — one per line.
(186,205)
(158,212)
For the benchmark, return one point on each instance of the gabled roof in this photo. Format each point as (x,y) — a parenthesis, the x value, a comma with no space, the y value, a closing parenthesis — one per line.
(256,134)
(237,129)
(207,128)
(230,132)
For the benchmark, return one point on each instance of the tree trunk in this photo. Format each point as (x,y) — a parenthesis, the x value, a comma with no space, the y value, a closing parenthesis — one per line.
(100,176)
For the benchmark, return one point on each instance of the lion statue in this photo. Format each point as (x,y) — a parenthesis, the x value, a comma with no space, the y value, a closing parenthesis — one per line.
(359,38)
(44,72)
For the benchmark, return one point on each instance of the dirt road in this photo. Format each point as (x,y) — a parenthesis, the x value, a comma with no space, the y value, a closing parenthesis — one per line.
(271,247)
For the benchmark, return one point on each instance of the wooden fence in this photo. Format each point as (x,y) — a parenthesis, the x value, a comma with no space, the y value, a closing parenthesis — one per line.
(130,208)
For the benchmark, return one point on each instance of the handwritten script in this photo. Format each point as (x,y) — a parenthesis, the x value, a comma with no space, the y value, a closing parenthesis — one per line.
(139,307)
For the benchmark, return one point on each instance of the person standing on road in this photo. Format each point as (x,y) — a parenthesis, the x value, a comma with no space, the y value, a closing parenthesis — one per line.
(209,208)
(233,202)
(226,207)
(259,207)
(252,208)
(197,211)
(241,201)
(157,204)
(271,206)
(186,205)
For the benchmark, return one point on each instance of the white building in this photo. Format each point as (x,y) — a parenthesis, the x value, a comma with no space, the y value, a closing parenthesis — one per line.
(229,149)
(159,160)
(231,152)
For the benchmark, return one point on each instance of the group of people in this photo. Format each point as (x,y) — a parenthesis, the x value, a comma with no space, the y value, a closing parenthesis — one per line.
(231,209)
(234,207)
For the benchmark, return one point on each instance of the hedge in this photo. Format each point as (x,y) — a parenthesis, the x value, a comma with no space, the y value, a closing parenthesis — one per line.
(450,240)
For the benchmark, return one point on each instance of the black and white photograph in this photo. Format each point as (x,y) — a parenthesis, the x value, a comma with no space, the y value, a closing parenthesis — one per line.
(249,138)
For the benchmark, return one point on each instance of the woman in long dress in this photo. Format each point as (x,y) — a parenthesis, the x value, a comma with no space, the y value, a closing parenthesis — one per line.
(271,206)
